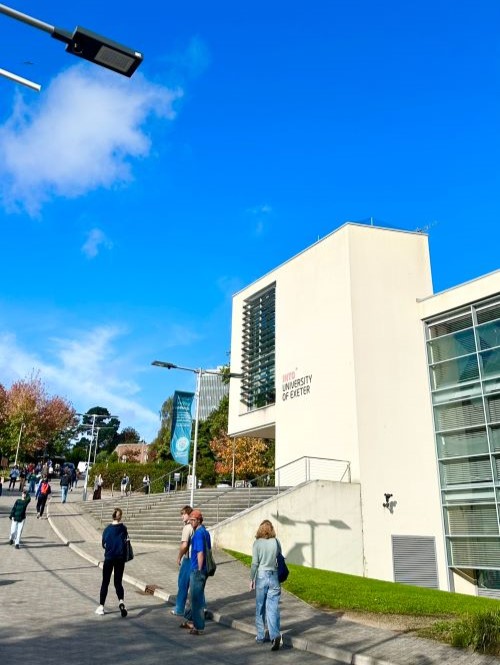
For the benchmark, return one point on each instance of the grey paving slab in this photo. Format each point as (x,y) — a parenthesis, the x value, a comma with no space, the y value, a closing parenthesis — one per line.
(47,614)
(232,604)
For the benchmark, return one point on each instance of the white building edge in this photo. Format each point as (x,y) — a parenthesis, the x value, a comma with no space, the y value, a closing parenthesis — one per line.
(348,355)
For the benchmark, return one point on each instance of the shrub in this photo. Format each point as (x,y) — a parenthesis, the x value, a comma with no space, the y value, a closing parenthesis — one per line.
(480,631)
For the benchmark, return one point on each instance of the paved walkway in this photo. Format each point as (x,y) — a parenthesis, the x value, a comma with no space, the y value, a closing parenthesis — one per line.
(48,597)
(232,604)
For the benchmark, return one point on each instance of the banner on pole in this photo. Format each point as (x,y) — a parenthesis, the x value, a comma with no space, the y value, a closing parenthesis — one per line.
(181,426)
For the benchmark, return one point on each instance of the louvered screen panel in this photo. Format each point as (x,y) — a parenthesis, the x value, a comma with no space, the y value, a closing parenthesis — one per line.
(488,313)
(466,471)
(474,520)
(494,408)
(489,593)
(459,415)
(470,553)
(414,561)
(465,443)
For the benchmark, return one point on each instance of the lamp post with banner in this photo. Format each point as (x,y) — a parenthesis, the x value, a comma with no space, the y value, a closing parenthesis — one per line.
(199,373)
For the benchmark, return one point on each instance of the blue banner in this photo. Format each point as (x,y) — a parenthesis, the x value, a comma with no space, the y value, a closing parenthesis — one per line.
(181,427)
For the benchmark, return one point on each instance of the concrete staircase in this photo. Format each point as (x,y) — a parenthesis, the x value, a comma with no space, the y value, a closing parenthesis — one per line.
(156,517)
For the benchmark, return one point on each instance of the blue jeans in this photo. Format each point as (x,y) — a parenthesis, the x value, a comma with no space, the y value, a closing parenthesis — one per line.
(182,585)
(64,493)
(268,592)
(196,612)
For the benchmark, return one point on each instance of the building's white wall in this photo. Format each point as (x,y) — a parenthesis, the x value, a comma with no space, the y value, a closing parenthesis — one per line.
(389,271)
(318,524)
(349,315)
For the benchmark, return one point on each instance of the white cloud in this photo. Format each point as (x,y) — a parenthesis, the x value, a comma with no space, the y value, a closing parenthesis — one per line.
(261,214)
(88,370)
(95,239)
(83,134)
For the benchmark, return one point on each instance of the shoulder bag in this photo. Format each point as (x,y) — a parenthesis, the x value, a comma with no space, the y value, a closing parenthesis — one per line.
(209,560)
(281,566)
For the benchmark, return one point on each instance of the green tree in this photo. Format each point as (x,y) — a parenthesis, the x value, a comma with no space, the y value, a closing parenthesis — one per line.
(160,446)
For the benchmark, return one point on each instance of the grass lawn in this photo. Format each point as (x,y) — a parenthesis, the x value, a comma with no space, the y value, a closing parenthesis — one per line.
(336,591)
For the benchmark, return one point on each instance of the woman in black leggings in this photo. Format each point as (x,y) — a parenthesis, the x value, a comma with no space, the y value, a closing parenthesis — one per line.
(114,539)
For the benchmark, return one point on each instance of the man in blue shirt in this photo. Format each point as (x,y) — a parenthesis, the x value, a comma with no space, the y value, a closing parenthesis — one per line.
(195,616)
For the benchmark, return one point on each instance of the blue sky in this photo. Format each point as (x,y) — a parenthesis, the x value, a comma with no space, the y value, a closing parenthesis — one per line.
(132,209)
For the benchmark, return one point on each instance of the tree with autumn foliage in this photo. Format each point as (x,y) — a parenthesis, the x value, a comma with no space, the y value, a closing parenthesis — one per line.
(27,411)
(249,456)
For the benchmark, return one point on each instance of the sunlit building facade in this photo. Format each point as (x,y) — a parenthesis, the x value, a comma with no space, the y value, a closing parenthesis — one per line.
(347,354)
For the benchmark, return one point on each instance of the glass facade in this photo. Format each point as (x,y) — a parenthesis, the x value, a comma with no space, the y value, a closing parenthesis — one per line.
(463,350)
(258,387)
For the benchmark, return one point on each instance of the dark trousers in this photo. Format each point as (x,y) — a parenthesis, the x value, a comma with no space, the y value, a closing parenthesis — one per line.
(118,565)
(40,504)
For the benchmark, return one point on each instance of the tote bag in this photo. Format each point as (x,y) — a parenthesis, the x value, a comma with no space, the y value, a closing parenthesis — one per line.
(281,566)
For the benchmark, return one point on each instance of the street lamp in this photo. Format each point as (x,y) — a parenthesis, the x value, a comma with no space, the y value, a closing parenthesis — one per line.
(19,442)
(94,416)
(199,372)
(85,44)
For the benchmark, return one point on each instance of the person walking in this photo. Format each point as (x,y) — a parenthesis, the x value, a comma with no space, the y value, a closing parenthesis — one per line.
(98,483)
(114,542)
(31,481)
(123,484)
(146,484)
(264,579)
(14,475)
(195,616)
(18,518)
(42,494)
(65,483)
(184,563)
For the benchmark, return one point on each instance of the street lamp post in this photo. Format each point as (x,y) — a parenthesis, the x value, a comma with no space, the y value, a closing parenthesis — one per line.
(84,44)
(94,417)
(199,372)
(19,442)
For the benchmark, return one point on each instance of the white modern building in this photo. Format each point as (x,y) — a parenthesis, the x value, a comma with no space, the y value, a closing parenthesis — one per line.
(347,354)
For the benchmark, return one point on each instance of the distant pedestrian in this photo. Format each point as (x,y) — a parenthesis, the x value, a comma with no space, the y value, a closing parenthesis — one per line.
(31,481)
(42,494)
(123,484)
(65,483)
(1,485)
(195,616)
(184,563)
(264,579)
(146,484)
(14,475)
(98,483)
(114,542)
(18,518)
(22,478)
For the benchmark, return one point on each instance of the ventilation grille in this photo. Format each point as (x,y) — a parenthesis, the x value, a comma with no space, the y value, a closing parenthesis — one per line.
(414,561)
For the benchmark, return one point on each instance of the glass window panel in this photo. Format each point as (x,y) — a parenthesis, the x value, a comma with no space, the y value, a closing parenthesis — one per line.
(455,371)
(490,361)
(455,393)
(475,552)
(495,437)
(492,386)
(451,325)
(469,495)
(488,313)
(474,520)
(451,346)
(493,408)
(462,443)
(458,415)
(462,472)
(489,335)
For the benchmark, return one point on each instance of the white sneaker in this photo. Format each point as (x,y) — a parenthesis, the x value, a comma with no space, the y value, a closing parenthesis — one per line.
(100,610)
